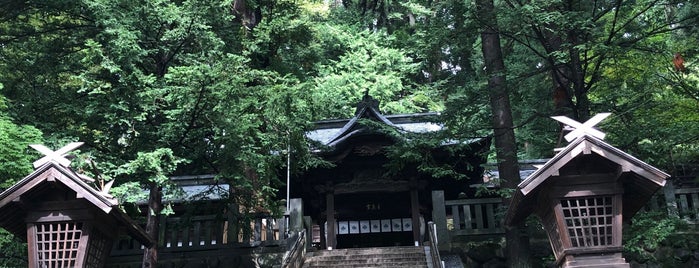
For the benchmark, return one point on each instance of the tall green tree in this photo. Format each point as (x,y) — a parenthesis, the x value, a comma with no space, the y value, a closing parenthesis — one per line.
(503,128)
(154,168)
(15,163)
(142,77)
(568,52)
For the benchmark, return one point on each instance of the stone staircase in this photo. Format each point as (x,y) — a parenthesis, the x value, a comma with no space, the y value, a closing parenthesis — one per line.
(405,257)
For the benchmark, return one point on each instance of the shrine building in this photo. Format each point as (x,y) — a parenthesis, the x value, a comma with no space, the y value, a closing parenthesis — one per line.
(370,202)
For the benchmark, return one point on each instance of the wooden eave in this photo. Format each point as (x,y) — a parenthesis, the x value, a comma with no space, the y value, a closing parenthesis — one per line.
(13,212)
(52,171)
(645,177)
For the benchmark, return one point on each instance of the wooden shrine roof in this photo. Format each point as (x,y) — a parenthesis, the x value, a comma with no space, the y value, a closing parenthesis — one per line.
(38,185)
(638,176)
(333,132)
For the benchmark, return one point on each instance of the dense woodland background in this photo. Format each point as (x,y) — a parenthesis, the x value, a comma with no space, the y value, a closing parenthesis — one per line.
(158,88)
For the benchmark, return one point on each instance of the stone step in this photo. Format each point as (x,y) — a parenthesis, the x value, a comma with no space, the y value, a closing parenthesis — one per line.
(370,264)
(362,251)
(406,265)
(367,260)
(368,257)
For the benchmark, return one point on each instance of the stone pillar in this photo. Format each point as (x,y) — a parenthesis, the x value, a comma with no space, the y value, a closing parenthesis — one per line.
(670,200)
(295,215)
(439,217)
(308,225)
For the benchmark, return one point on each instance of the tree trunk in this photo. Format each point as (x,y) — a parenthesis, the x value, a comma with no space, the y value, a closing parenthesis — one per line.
(517,249)
(155,206)
(582,107)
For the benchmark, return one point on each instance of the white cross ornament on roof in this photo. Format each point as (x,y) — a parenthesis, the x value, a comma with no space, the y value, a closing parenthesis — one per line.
(57,156)
(586,128)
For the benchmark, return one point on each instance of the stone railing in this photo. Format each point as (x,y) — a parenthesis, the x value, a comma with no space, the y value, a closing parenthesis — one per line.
(687,204)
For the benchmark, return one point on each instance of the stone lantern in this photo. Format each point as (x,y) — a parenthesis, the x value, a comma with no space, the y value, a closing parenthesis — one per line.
(65,221)
(582,195)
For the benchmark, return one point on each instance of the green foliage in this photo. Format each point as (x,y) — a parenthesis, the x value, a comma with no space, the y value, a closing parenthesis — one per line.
(152,167)
(649,231)
(15,156)
(14,251)
(594,54)
(15,163)
(367,65)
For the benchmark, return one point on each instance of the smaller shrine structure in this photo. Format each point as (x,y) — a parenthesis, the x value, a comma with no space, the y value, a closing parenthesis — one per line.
(583,194)
(65,221)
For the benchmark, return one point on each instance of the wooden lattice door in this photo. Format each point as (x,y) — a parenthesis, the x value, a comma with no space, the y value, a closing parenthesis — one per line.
(589,220)
(57,244)
(68,244)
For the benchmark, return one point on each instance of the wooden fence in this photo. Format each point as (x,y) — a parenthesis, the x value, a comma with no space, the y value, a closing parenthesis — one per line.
(687,204)
(475,216)
(209,232)
(483,216)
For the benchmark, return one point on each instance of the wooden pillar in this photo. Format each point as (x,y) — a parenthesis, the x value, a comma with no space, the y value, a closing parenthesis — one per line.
(257,230)
(330,216)
(31,246)
(415,213)
(323,241)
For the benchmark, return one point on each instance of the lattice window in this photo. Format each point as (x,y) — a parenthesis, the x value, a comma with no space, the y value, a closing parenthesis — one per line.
(97,250)
(589,220)
(549,221)
(58,244)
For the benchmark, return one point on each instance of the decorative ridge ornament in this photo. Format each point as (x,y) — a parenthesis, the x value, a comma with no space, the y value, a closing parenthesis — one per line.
(57,156)
(55,195)
(587,128)
(367,102)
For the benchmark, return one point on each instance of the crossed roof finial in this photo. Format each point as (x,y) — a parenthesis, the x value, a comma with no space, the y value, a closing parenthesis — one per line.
(581,129)
(57,156)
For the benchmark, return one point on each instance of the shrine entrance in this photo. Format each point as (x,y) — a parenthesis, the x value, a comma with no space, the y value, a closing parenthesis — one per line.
(377,219)
(358,200)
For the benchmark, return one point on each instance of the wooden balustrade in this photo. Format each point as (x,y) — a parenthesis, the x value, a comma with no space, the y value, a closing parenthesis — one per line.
(475,216)
(687,200)
(210,231)
(482,216)
(200,231)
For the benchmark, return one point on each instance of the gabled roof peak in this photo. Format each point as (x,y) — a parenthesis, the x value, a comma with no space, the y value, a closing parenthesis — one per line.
(51,172)
(367,108)
(367,102)
(644,178)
